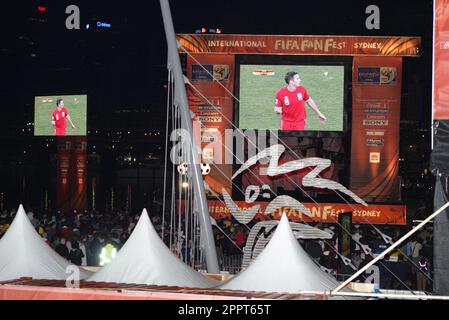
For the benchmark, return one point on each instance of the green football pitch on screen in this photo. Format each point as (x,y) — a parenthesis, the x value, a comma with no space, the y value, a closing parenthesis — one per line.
(259,84)
(44,107)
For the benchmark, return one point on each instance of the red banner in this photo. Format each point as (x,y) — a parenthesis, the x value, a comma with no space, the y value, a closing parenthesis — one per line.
(213,104)
(323,212)
(71,174)
(79,195)
(441,61)
(27,292)
(375,128)
(301,45)
(63,174)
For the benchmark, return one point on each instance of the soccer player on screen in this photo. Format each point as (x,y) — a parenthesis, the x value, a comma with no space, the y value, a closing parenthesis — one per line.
(58,119)
(290,104)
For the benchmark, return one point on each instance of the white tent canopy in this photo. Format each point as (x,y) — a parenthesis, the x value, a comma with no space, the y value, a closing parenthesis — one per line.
(145,259)
(283,266)
(23,253)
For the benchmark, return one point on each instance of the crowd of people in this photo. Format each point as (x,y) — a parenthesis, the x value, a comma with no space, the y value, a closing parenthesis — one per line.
(80,237)
(407,267)
(411,263)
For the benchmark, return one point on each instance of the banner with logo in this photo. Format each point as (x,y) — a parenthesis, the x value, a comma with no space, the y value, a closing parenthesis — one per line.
(376,106)
(71,173)
(304,45)
(322,212)
(211,99)
(441,61)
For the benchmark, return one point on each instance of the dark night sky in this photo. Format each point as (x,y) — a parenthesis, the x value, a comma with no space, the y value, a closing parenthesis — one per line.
(136,42)
(141,21)
(125,66)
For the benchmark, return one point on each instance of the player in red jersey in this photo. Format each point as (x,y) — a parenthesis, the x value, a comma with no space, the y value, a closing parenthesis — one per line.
(58,119)
(290,104)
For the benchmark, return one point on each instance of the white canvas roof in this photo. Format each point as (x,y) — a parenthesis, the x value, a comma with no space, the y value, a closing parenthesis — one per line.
(283,266)
(145,259)
(23,253)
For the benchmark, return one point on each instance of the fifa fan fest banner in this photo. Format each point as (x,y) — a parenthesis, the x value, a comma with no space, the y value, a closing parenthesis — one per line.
(71,173)
(210,98)
(300,45)
(376,101)
(441,61)
(376,106)
(323,212)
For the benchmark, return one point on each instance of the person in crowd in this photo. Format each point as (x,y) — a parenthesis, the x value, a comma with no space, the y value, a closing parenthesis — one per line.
(416,249)
(423,275)
(124,237)
(174,249)
(326,259)
(95,246)
(240,237)
(357,237)
(76,255)
(82,246)
(427,249)
(357,259)
(314,249)
(108,253)
(62,249)
(115,240)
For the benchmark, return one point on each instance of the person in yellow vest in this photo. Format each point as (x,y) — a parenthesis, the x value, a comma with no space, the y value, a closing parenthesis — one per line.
(41,230)
(108,253)
(3,228)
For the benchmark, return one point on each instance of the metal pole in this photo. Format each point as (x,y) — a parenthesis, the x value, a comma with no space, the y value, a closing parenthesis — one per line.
(396,244)
(198,184)
(391,296)
(432,124)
